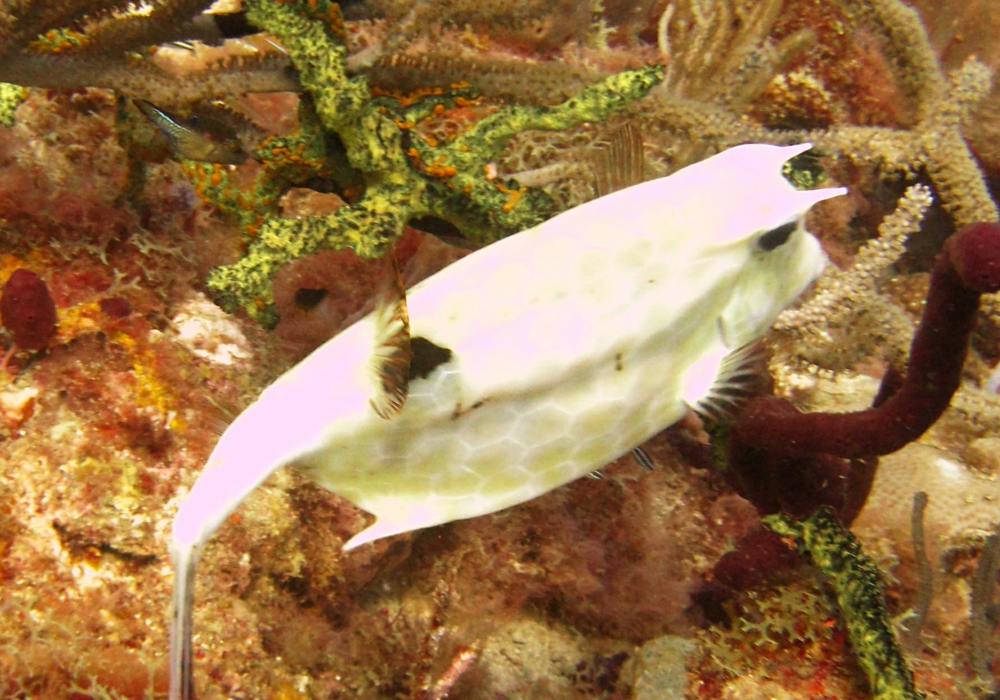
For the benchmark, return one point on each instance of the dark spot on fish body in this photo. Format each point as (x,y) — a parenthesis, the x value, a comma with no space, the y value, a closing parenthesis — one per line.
(425,358)
(618,362)
(459,411)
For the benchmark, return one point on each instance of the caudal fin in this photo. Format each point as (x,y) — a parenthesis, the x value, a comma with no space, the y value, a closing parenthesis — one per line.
(181,672)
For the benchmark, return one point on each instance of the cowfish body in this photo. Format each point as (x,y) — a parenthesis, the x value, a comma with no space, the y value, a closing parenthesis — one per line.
(537,359)
(527,364)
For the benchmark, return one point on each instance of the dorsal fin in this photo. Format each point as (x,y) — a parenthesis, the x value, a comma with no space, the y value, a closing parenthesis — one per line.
(219,414)
(620,163)
(391,354)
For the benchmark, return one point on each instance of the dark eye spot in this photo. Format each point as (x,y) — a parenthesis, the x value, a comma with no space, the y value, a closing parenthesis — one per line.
(425,356)
(308,299)
(776,237)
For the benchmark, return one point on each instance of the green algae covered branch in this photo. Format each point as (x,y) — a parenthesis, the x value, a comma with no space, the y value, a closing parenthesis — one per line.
(857,584)
(10,97)
(404,176)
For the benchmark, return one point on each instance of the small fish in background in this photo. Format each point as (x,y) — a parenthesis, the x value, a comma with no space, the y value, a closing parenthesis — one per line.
(197,137)
(527,364)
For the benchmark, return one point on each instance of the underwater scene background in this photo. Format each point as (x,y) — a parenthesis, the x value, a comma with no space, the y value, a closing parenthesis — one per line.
(191,203)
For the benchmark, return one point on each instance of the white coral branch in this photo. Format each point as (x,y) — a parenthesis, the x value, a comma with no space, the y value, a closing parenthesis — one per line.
(842,292)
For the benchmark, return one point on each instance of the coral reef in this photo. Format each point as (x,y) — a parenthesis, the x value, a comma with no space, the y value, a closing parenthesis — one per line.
(470,121)
(786,461)
(405,178)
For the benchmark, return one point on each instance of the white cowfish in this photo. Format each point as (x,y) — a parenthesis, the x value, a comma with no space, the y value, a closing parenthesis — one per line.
(525,365)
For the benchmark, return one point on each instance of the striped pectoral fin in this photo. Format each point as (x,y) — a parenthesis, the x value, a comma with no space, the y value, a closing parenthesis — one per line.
(721,381)
(391,354)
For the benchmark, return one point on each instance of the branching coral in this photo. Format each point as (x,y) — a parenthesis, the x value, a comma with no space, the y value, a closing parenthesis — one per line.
(103,43)
(719,52)
(544,24)
(847,298)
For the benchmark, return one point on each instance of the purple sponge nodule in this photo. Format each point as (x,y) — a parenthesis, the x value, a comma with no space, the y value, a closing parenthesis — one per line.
(975,253)
(27,310)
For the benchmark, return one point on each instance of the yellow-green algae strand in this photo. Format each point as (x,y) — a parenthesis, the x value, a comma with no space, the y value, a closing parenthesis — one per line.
(857,584)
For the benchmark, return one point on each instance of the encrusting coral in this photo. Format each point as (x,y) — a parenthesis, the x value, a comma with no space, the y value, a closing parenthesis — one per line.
(474,120)
(404,177)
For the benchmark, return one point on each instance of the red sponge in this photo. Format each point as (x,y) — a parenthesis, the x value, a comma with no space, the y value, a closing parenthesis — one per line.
(975,253)
(27,310)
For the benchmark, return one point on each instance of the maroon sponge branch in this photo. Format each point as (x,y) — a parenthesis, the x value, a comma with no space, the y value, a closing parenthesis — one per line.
(968,267)
(785,460)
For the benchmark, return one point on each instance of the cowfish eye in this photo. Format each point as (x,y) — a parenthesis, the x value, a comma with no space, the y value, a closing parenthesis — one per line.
(776,237)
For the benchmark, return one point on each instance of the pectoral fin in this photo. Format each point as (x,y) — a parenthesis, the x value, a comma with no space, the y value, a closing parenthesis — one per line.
(391,355)
(740,374)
